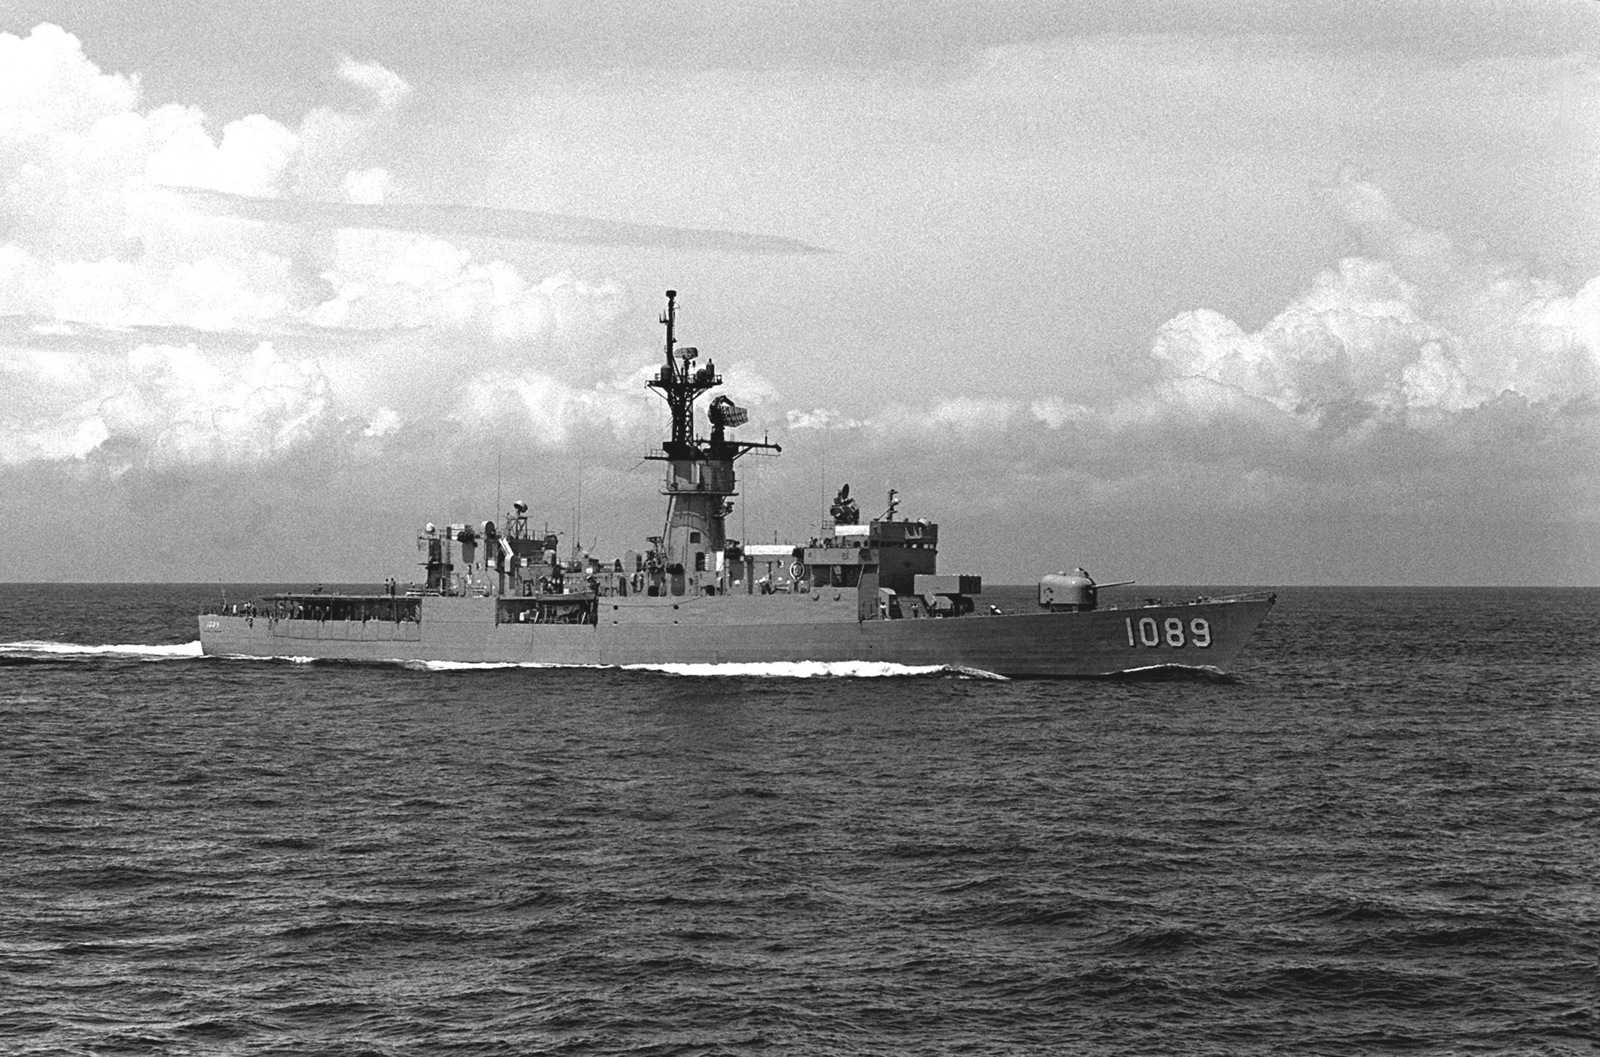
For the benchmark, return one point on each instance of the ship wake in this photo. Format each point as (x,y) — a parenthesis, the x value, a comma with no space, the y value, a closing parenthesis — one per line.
(816,670)
(730,669)
(47,652)
(741,670)
(1176,673)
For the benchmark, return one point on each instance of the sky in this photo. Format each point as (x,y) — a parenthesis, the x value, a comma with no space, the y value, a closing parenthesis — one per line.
(1190,293)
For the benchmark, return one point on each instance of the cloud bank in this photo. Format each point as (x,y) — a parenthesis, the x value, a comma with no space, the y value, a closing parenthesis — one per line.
(1423,396)
(1423,336)
(183,301)
(102,245)
(1416,335)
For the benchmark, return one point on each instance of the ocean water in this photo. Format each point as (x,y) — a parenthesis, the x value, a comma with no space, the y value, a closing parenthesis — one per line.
(1380,834)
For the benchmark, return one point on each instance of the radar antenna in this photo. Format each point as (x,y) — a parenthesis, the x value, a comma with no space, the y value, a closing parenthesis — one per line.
(681,384)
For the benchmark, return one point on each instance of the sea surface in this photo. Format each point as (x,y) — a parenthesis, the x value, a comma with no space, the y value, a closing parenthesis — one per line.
(1381,834)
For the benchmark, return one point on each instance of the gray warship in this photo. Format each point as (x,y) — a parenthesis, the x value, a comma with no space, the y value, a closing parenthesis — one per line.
(857,592)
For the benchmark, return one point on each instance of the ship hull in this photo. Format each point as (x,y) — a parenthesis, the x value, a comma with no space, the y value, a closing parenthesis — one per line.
(1205,634)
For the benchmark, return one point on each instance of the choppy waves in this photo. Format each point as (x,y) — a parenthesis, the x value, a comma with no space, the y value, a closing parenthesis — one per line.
(1376,839)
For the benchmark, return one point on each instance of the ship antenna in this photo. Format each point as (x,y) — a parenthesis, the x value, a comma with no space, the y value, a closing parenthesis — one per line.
(670,318)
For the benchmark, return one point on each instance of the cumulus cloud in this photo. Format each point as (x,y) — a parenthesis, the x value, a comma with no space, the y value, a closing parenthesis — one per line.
(164,406)
(387,88)
(252,155)
(555,411)
(91,241)
(821,418)
(81,175)
(1420,386)
(613,409)
(367,186)
(1424,336)
(385,279)
(100,235)
(184,406)
(1417,339)
(121,216)
(47,85)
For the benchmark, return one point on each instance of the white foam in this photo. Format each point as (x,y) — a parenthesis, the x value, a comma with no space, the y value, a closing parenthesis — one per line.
(178,651)
(767,669)
(812,669)
(485,666)
(1209,669)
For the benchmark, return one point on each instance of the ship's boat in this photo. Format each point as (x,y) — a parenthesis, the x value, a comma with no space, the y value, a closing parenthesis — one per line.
(501,593)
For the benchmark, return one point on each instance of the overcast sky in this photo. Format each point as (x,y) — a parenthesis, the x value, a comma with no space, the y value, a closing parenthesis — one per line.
(1190,293)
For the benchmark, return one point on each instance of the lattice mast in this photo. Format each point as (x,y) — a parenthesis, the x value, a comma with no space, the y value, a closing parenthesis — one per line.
(700,477)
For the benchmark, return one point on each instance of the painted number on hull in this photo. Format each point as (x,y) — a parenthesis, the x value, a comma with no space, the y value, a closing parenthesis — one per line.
(1147,631)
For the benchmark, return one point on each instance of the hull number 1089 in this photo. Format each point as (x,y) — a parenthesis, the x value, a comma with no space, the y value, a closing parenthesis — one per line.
(1148,631)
